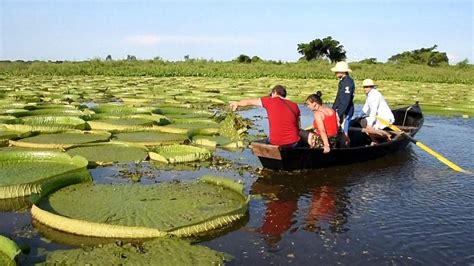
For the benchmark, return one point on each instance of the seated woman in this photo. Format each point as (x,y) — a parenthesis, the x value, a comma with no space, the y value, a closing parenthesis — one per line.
(325,124)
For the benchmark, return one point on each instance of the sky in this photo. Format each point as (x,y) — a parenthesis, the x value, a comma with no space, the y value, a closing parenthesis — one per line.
(224,29)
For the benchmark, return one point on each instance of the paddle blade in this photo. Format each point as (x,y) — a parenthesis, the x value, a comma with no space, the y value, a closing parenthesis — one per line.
(440,157)
(424,147)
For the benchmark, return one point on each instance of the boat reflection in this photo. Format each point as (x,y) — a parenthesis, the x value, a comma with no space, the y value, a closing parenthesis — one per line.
(317,201)
(301,201)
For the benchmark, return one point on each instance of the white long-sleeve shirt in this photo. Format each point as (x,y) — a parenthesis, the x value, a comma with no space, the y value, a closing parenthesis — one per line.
(374,105)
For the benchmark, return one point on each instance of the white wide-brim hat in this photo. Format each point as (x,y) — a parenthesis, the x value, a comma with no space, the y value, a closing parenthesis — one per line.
(341,67)
(368,83)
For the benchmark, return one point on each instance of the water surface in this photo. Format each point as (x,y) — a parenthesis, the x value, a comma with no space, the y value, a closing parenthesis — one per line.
(406,208)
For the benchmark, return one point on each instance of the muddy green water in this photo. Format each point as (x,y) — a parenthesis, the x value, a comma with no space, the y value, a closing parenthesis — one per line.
(403,209)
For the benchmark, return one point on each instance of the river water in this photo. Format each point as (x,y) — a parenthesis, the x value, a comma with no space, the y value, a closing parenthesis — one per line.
(403,209)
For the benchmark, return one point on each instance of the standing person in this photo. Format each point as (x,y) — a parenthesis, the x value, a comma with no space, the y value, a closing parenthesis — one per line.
(375,105)
(283,116)
(344,103)
(324,123)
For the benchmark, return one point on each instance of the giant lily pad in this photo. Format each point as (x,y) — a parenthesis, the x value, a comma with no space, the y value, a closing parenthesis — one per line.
(120,124)
(233,127)
(108,153)
(125,110)
(6,135)
(8,119)
(216,141)
(156,252)
(136,211)
(26,172)
(150,138)
(8,251)
(190,128)
(63,121)
(179,154)
(52,111)
(35,128)
(62,140)
(184,111)
(156,118)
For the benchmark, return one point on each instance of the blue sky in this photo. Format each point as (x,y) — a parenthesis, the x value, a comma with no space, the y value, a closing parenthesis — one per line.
(223,29)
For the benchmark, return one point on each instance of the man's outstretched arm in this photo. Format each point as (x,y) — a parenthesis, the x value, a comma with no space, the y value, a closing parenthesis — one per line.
(246,102)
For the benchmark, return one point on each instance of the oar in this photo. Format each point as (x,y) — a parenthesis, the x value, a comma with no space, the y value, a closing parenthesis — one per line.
(423,146)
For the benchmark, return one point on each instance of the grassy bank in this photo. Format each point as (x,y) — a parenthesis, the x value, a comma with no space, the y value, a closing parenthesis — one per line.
(192,68)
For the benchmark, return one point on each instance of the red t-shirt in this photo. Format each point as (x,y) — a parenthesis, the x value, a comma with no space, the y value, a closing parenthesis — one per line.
(284,128)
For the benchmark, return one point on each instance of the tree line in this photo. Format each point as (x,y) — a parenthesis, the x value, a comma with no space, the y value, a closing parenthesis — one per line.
(331,50)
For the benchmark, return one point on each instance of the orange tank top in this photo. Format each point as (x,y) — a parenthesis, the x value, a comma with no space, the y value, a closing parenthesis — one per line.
(330,123)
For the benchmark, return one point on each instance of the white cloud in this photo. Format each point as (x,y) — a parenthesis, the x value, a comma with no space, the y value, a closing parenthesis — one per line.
(143,40)
(151,39)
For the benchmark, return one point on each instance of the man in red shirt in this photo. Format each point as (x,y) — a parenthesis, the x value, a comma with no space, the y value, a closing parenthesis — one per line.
(283,116)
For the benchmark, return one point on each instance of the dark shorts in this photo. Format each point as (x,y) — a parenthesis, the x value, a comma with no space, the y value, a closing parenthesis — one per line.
(320,144)
(319,141)
(291,145)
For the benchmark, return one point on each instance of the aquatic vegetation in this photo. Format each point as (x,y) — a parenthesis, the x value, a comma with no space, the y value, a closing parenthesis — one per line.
(26,172)
(179,153)
(216,141)
(135,211)
(108,153)
(8,251)
(121,124)
(62,140)
(60,121)
(155,252)
(150,138)
(41,112)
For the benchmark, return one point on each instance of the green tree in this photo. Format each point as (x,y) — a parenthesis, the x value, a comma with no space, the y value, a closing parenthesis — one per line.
(108,58)
(325,48)
(463,64)
(243,59)
(255,59)
(131,58)
(369,61)
(423,56)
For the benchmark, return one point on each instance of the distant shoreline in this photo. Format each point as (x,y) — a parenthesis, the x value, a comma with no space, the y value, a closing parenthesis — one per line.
(207,68)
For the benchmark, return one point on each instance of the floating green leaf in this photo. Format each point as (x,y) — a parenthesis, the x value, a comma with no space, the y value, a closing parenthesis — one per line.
(8,251)
(108,153)
(26,172)
(216,141)
(35,128)
(156,252)
(156,118)
(150,138)
(52,111)
(62,121)
(63,140)
(120,124)
(125,110)
(179,154)
(137,211)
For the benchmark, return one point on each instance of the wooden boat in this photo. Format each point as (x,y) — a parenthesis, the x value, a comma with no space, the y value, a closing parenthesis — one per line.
(409,119)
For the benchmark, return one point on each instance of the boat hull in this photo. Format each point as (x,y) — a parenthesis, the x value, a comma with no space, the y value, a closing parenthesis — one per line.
(273,157)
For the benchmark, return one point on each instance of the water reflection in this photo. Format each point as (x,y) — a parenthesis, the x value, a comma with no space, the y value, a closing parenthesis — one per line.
(301,201)
(317,201)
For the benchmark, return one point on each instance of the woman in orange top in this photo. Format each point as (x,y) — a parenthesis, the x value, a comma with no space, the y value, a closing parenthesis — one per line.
(325,123)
